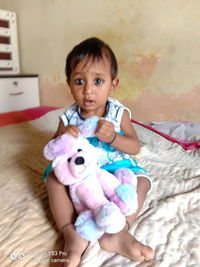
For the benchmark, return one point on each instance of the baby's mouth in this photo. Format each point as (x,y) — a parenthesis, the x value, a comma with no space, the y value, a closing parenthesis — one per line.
(88,102)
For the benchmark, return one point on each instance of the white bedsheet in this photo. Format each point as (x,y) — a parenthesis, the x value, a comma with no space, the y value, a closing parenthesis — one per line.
(169,221)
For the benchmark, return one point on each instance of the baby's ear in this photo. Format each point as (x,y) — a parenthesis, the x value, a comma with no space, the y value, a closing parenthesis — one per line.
(115,83)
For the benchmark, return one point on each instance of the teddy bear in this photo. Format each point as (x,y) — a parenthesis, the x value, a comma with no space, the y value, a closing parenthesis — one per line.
(100,198)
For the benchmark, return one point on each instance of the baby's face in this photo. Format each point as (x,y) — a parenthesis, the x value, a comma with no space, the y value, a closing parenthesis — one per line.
(91,85)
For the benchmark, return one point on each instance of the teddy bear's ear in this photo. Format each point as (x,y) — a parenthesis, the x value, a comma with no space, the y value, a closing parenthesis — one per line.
(56,160)
(48,151)
(59,146)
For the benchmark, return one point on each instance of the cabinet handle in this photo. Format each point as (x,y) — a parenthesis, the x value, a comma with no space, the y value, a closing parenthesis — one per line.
(19,93)
(15,83)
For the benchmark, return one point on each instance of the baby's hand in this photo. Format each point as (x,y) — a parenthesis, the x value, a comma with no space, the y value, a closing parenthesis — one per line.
(105,131)
(72,130)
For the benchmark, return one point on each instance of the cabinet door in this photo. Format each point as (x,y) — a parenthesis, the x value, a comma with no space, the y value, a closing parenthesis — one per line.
(18,93)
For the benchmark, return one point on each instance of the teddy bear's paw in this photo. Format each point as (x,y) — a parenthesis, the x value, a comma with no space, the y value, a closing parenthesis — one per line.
(109,218)
(126,199)
(126,176)
(86,226)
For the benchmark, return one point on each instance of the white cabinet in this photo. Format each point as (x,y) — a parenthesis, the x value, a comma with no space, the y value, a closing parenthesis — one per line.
(18,92)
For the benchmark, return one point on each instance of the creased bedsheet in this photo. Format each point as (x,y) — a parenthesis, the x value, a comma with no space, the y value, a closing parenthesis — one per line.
(169,221)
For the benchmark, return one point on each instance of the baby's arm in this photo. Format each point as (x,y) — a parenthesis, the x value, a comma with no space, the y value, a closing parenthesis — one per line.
(128,143)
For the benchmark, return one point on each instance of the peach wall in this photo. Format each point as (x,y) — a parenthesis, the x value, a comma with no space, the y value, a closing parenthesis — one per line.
(156,42)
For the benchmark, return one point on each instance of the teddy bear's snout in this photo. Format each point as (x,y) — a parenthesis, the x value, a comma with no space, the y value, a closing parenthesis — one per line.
(79,160)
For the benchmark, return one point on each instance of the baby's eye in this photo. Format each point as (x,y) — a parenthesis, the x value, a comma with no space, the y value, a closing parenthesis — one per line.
(98,81)
(79,150)
(79,81)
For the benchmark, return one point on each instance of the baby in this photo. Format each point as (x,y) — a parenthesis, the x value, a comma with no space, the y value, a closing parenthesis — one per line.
(91,70)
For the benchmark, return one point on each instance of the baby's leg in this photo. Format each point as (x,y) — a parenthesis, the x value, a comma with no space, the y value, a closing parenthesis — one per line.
(63,213)
(123,242)
(74,247)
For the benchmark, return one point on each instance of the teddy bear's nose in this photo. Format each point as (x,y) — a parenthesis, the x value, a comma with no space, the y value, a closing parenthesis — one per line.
(79,161)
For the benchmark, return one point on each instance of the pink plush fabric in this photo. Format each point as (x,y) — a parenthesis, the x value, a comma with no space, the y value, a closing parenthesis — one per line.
(93,191)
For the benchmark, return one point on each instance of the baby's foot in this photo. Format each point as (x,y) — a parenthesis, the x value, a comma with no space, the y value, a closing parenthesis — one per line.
(125,244)
(73,248)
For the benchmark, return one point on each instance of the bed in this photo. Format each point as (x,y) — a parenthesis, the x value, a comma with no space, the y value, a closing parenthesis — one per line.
(169,221)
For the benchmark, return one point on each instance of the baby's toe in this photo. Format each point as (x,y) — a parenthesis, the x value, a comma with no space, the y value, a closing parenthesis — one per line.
(148,253)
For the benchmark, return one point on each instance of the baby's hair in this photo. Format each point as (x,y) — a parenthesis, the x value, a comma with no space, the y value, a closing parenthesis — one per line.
(94,49)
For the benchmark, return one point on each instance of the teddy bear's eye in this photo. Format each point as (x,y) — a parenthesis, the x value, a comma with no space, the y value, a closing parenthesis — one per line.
(68,160)
(79,150)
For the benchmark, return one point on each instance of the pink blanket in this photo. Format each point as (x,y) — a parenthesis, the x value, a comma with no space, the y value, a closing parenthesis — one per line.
(23,115)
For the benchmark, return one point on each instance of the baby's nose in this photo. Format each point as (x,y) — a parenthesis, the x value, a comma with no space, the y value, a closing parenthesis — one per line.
(88,88)
(79,161)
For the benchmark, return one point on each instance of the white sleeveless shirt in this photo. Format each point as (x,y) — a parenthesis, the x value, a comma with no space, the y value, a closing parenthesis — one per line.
(107,154)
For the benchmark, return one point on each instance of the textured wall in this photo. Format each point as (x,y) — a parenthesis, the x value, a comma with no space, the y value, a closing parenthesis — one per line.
(156,42)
